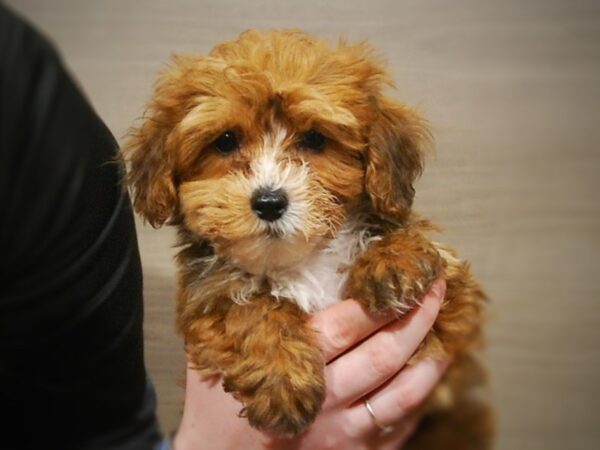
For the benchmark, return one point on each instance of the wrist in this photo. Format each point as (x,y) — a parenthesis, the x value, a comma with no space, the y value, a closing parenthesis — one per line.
(210,420)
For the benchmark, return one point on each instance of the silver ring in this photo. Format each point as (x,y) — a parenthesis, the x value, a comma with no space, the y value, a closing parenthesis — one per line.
(382,426)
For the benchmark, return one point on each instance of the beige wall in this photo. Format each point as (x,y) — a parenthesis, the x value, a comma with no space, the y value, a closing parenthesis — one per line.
(512,89)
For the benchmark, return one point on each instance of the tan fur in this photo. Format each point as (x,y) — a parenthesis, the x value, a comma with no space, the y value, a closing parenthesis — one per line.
(268,89)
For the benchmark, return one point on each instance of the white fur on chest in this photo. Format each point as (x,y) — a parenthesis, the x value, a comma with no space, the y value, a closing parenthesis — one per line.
(320,281)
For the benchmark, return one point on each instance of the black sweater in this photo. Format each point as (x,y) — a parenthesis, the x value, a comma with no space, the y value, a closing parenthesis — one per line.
(71,350)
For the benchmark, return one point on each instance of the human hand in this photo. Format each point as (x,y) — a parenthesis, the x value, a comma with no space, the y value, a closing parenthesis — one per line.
(366,357)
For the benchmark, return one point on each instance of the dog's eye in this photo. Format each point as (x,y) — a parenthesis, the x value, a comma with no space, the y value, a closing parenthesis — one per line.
(227,142)
(313,140)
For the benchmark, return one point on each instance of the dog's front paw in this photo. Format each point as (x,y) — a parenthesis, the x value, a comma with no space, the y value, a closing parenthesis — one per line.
(277,403)
(285,409)
(390,277)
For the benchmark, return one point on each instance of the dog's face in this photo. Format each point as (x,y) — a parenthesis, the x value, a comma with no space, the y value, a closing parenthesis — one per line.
(267,146)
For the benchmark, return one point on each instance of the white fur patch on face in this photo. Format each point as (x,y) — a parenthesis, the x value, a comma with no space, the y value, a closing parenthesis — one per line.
(284,242)
(273,171)
(277,249)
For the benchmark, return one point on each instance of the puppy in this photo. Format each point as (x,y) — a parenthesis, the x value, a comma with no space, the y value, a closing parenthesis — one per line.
(289,175)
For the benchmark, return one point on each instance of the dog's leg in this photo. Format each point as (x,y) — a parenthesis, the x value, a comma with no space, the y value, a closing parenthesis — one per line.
(395,272)
(208,347)
(278,370)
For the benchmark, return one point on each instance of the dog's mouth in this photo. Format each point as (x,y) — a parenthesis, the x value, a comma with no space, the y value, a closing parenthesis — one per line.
(274,233)
(269,252)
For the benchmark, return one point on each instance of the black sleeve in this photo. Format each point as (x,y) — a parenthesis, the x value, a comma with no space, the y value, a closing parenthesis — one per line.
(71,350)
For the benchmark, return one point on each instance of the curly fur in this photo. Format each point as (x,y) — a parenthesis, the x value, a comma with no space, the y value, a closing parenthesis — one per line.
(246,286)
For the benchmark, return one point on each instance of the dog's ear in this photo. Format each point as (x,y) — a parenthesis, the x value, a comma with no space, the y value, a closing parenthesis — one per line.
(394,158)
(150,169)
(149,151)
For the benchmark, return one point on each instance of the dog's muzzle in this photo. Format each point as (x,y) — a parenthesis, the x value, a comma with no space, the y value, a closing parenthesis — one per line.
(269,204)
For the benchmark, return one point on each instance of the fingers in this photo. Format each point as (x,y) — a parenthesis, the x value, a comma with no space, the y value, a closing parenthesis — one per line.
(343,325)
(381,356)
(395,403)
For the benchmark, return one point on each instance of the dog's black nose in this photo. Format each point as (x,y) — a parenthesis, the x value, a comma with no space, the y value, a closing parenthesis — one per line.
(269,205)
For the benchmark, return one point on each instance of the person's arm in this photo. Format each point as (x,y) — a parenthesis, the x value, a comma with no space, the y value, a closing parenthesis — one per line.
(366,357)
(71,345)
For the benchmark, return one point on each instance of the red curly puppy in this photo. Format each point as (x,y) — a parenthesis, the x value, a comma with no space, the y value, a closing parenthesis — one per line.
(290,178)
